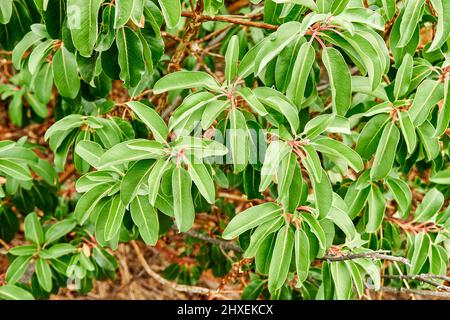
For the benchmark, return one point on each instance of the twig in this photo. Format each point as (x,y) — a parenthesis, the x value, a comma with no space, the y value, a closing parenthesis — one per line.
(160,279)
(4,244)
(370,255)
(428,293)
(222,243)
(240,21)
(425,278)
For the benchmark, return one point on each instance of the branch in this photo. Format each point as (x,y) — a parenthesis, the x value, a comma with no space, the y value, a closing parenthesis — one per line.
(163,281)
(222,243)
(370,255)
(428,293)
(425,278)
(240,21)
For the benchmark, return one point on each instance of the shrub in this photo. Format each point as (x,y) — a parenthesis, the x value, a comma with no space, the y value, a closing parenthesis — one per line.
(316,132)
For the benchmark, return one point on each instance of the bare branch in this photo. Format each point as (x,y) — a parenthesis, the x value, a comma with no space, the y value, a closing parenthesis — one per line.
(370,255)
(427,293)
(425,278)
(160,279)
(241,21)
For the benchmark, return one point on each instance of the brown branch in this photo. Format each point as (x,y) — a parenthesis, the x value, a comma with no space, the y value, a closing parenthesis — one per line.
(239,21)
(428,293)
(369,255)
(163,281)
(425,278)
(222,243)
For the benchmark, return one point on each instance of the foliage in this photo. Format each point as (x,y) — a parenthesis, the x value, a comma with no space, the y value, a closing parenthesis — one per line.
(330,117)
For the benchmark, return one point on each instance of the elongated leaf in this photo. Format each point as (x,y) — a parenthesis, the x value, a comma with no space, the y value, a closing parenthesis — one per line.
(340,80)
(281,259)
(377,207)
(83,25)
(410,20)
(182,199)
(408,131)
(231,58)
(420,253)
(334,147)
(300,73)
(403,77)
(133,179)
(65,73)
(238,140)
(184,80)
(33,229)
(385,154)
(430,206)
(131,59)
(44,274)
(151,119)
(171,10)
(114,219)
(202,178)
(59,230)
(146,218)
(251,218)
(428,94)
(17,269)
(301,250)
(402,195)
(10,292)
(323,194)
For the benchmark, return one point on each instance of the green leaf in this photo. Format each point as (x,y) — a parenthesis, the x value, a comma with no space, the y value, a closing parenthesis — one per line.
(312,163)
(430,206)
(441,177)
(338,214)
(10,292)
(131,59)
(300,73)
(316,229)
(385,154)
(271,48)
(323,194)
(370,136)
(410,19)
(301,250)
(408,131)
(123,12)
(443,26)
(29,40)
(318,125)
(39,108)
(357,277)
(182,199)
(114,219)
(83,25)
(33,229)
(15,170)
(342,280)
(251,218)
(420,253)
(275,153)
(281,259)
(6,9)
(231,58)
(17,269)
(329,146)
(146,218)
(133,179)
(171,10)
(251,99)
(285,175)
(58,250)
(59,230)
(184,80)
(88,201)
(151,119)
(44,274)
(154,178)
(65,73)
(132,150)
(201,177)
(444,114)
(402,195)
(261,233)
(430,142)
(340,80)
(403,77)
(237,138)
(27,250)
(377,207)
(428,94)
